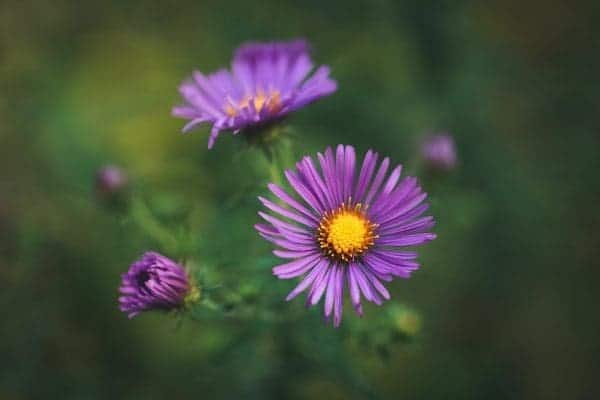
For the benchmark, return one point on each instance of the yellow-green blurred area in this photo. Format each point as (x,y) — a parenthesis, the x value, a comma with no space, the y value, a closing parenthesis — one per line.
(506,301)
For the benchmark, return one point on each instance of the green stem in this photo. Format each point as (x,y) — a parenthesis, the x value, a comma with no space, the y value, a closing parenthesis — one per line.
(275,171)
(143,217)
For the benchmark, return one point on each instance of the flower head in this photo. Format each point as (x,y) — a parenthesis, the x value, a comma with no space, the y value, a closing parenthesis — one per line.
(439,152)
(154,282)
(342,230)
(266,82)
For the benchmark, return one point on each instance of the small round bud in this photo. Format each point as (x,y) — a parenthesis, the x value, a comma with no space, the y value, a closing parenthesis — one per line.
(155,282)
(110,181)
(405,322)
(439,152)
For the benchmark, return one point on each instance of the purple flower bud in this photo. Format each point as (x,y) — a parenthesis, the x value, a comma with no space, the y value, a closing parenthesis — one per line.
(155,282)
(439,152)
(110,180)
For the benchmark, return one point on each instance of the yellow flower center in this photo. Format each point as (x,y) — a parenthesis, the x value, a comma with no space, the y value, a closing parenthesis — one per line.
(346,233)
(271,101)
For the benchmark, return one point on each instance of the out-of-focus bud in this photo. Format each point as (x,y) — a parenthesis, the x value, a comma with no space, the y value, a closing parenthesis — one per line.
(439,152)
(405,323)
(111,181)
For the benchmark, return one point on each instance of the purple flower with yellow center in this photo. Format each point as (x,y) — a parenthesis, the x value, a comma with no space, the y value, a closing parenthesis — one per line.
(266,82)
(155,282)
(342,230)
(439,152)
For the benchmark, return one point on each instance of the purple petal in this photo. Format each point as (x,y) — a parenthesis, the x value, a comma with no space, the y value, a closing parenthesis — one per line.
(211,93)
(366,172)
(319,286)
(295,268)
(185,111)
(283,227)
(392,180)
(365,285)
(279,192)
(378,179)
(214,133)
(308,279)
(330,294)
(388,202)
(400,269)
(289,245)
(353,288)
(340,172)
(327,163)
(376,284)
(315,183)
(317,86)
(193,124)
(303,191)
(293,254)
(416,226)
(339,296)
(407,240)
(407,217)
(408,206)
(194,96)
(286,213)
(350,160)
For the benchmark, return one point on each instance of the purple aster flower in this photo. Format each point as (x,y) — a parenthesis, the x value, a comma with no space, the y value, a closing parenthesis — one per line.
(342,230)
(154,282)
(439,152)
(266,82)
(110,180)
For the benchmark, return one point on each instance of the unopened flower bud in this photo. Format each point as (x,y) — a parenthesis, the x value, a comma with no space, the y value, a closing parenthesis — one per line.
(155,282)
(110,181)
(405,322)
(439,152)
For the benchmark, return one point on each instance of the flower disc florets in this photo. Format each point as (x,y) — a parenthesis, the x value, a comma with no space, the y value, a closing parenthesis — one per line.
(345,233)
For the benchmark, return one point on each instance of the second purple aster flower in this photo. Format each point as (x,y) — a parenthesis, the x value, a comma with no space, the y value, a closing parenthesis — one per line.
(342,230)
(266,82)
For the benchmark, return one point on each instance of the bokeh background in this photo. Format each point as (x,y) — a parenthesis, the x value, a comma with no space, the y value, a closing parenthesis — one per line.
(507,296)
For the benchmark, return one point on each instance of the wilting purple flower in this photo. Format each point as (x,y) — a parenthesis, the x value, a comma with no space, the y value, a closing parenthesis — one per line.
(439,152)
(266,82)
(339,229)
(110,180)
(154,282)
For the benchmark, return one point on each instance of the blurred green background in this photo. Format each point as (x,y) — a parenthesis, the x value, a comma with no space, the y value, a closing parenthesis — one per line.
(507,296)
